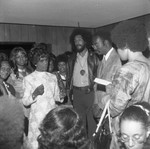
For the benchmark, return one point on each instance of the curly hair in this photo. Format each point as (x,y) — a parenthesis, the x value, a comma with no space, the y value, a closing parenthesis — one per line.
(41,45)
(130,34)
(11,123)
(86,35)
(36,53)
(62,128)
(148,27)
(62,58)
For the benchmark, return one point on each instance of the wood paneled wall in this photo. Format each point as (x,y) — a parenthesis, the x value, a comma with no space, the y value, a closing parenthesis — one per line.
(57,36)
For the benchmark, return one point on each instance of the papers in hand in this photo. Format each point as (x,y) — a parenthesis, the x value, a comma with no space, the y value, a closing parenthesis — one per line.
(101,81)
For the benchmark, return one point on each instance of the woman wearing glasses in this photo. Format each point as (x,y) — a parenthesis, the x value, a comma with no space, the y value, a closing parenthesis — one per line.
(135,126)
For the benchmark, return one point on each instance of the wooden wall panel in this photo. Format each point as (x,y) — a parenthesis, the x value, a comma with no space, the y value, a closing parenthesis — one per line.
(48,35)
(58,37)
(24,33)
(32,33)
(7,32)
(41,34)
(2,32)
(15,32)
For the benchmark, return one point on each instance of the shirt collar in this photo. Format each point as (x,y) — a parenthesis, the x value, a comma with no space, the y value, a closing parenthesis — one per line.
(108,54)
(85,55)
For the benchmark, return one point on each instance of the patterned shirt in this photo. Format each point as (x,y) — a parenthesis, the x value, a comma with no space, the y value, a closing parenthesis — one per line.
(131,84)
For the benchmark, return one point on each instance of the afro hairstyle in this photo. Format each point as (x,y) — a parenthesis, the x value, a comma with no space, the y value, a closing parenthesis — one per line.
(86,35)
(130,34)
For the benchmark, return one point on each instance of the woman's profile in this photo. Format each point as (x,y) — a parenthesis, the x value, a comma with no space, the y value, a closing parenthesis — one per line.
(135,126)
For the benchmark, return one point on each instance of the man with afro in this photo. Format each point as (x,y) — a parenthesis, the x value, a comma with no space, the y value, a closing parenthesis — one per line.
(131,83)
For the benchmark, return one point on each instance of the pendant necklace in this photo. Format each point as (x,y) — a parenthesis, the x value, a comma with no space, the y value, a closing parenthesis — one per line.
(82,71)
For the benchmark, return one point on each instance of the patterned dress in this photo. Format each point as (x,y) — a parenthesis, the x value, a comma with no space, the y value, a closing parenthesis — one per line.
(42,103)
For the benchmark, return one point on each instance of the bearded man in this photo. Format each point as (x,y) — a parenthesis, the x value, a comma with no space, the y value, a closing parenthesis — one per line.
(82,70)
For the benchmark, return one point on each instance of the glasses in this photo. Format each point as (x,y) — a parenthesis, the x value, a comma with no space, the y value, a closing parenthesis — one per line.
(136,138)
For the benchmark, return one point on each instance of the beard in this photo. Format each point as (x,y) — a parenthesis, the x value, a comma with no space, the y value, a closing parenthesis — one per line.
(80,48)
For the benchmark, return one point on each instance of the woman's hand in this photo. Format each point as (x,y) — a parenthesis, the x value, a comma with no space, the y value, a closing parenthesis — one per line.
(38,91)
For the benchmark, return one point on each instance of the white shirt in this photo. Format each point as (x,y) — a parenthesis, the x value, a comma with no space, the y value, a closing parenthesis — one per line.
(81,64)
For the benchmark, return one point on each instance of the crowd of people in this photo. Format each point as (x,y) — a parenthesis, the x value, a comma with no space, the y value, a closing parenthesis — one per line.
(53,102)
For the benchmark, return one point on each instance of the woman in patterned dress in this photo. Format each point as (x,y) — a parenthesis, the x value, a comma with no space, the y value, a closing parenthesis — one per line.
(41,92)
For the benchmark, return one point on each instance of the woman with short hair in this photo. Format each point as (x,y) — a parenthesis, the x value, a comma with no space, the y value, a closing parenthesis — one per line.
(135,126)
(41,93)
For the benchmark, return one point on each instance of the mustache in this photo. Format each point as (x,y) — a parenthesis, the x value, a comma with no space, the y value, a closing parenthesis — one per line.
(78,45)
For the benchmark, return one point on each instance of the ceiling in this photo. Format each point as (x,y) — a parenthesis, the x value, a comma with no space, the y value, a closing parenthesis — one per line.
(83,13)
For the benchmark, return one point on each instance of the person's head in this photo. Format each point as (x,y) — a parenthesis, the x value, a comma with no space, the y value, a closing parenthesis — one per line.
(102,42)
(62,63)
(51,63)
(62,128)
(68,54)
(39,58)
(18,56)
(80,39)
(41,45)
(3,56)
(131,36)
(135,125)
(11,123)
(5,69)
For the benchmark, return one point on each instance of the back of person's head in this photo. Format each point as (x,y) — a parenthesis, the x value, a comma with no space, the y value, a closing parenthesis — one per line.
(147,25)
(62,128)
(130,34)
(11,123)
